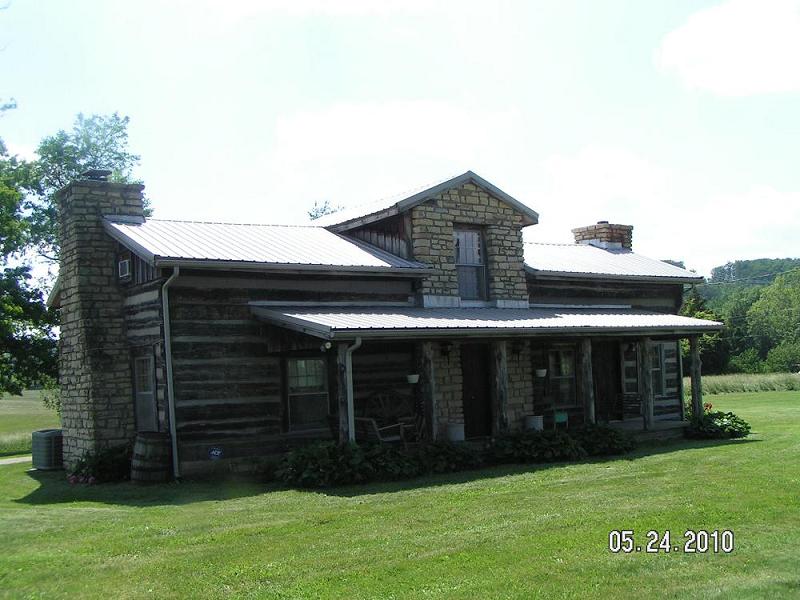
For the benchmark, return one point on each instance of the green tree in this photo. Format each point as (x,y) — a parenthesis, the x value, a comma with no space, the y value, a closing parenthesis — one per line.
(28,228)
(320,209)
(774,318)
(713,350)
(95,142)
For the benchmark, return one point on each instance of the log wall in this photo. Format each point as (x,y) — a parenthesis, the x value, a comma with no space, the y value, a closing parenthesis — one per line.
(228,366)
(648,296)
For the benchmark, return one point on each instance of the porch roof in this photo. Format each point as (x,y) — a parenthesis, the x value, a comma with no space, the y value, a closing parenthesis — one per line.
(383,322)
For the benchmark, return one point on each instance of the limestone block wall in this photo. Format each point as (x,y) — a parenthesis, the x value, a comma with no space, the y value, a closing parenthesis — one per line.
(449,386)
(520,384)
(94,359)
(432,240)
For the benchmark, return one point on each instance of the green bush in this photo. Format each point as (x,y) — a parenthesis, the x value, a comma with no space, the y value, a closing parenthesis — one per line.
(598,440)
(784,357)
(447,457)
(718,425)
(325,464)
(103,466)
(535,446)
(391,462)
(747,362)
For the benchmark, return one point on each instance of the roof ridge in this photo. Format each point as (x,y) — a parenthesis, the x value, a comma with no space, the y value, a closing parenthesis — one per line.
(306,226)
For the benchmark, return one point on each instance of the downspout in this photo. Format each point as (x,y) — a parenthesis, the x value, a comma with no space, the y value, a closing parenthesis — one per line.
(176,472)
(351,420)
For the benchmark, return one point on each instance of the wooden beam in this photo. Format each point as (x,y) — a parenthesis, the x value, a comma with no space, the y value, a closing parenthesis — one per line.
(341,393)
(586,379)
(695,368)
(427,387)
(646,381)
(680,380)
(500,388)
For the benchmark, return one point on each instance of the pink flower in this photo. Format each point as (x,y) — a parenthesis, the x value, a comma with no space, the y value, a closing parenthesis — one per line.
(73,479)
(92,480)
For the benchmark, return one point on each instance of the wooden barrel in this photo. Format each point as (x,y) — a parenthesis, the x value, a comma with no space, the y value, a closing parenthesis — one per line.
(152,458)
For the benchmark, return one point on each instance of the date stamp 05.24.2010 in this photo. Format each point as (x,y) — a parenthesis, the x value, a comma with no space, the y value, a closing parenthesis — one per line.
(624,541)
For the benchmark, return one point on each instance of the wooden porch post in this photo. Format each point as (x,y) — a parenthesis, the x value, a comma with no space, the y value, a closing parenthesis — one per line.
(427,387)
(341,393)
(646,378)
(500,389)
(586,379)
(697,385)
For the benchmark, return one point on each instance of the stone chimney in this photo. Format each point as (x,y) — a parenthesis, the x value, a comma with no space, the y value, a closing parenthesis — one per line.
(605,235)
(97,409)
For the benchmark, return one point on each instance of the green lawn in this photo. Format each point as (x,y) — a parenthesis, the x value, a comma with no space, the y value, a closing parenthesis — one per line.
(501,532)
(19,416)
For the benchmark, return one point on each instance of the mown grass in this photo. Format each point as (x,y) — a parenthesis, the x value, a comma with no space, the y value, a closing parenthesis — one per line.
(746,382)
(505,532)
(19,417)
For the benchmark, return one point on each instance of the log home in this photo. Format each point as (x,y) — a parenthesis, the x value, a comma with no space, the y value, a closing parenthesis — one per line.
(426,311)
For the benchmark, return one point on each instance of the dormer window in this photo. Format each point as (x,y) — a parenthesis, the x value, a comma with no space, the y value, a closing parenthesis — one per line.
(470,263)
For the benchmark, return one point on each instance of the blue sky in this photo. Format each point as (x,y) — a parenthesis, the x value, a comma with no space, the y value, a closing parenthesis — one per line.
(678,117)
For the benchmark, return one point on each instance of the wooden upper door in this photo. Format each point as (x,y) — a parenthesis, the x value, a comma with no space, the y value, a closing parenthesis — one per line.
(607,377)
(477,391)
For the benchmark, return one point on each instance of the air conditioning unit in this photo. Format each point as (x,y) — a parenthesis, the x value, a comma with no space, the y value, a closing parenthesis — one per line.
(124,268)
(46,447)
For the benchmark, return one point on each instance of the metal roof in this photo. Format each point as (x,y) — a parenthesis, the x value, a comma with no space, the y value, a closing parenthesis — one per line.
(590,261)
(330,323)
(169,243)
(367,213)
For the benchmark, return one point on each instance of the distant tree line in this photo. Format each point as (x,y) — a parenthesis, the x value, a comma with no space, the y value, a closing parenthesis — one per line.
(759,302)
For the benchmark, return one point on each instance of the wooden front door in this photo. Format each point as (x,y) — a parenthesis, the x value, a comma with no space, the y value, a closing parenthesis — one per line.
(606,376)
(477,390)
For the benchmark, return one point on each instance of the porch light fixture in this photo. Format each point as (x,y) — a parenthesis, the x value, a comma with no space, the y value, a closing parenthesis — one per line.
(412,378)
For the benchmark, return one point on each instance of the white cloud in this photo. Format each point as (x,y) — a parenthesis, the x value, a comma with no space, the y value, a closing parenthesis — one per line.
(739,48)
(354,153)
(675,215)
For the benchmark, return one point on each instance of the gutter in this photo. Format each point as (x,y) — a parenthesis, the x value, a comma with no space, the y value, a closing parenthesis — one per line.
(351,418)
(173,434)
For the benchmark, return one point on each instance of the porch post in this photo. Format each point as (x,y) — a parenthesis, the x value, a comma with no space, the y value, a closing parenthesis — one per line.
(586,379)
(427,387)
(646,378)
(500,389)
(341,393)
(697,385)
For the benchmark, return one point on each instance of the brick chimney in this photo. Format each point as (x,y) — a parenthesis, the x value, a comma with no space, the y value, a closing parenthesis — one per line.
(97,409)
(605,235)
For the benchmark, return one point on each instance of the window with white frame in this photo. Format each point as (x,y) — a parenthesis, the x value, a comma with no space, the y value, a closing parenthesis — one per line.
(470,263)
(307,392)
(144,392)
(561,362)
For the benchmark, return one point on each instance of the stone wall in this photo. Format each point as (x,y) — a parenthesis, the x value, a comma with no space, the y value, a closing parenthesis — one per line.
(94,362)
(520,384)
(449,384)
(605,233)
(432,240)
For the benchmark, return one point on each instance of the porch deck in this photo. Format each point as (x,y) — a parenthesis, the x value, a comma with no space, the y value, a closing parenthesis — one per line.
(666,429)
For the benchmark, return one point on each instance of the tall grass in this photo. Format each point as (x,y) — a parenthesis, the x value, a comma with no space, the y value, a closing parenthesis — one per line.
(745,382)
